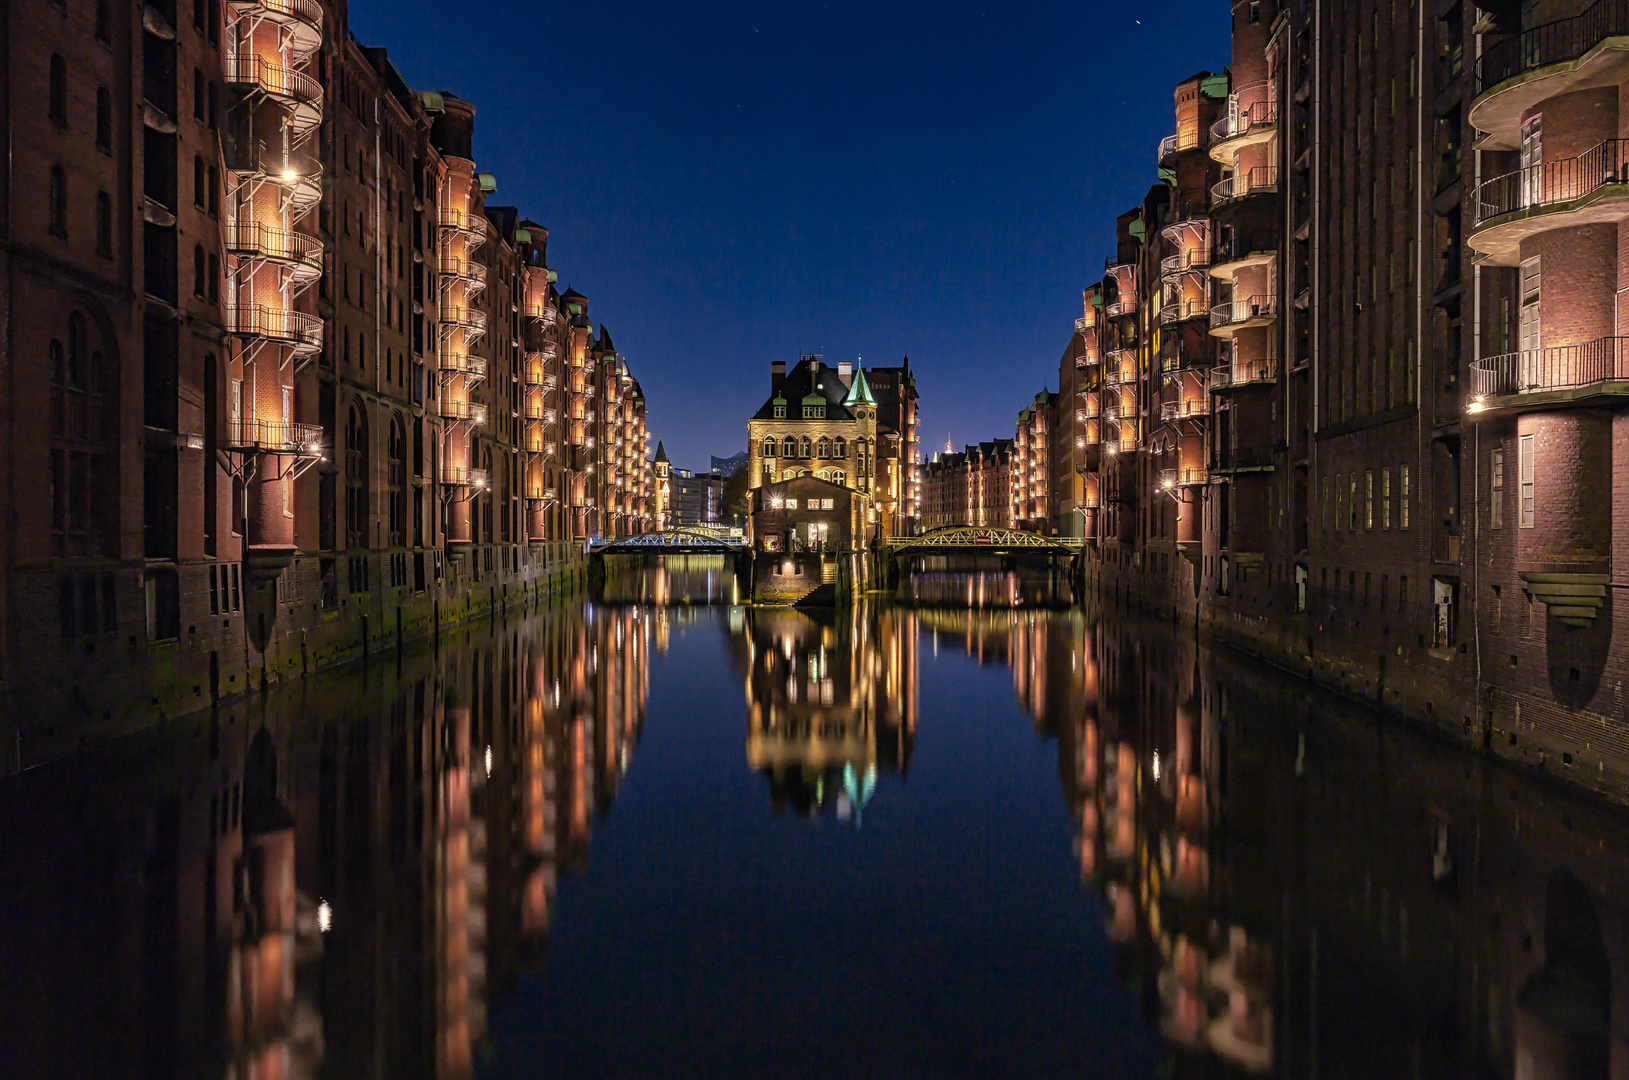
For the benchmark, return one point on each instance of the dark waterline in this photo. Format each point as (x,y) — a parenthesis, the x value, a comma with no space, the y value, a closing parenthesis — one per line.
(629,840)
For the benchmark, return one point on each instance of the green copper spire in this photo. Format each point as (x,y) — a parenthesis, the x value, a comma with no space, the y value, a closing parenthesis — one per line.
(859,392)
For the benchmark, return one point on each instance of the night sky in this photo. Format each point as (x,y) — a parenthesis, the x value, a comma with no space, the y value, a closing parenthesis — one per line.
(731,183)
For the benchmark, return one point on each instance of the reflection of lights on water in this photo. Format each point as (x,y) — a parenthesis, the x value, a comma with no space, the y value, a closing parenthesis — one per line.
(1156,765)
(325,917)
(489,762)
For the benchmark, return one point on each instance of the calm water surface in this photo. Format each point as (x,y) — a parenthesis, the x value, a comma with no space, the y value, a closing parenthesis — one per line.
(664,835)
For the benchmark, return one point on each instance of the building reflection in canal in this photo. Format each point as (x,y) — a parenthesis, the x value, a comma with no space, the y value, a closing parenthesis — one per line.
(831,702)
(339,878)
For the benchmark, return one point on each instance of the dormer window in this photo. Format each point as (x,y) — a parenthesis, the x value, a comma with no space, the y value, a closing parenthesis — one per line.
(780,412)
(814,412)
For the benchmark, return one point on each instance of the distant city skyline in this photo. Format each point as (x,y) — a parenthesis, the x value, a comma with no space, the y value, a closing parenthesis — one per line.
(731,185)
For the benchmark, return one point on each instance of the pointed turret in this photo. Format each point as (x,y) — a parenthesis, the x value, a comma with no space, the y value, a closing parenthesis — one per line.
(860,391)
(661,454)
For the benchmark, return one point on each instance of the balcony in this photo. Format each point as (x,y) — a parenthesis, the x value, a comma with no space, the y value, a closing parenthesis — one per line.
(1230,256)
(456,476)
(1183,310)
(1086,359)
(1252,116)
(295,329)
(274,437)
(1185,409)
(536,410)
(301,19)
(1172,145)
(1232,459)
(298,174)
(1513,75)
(1184,261)
(1592,187)
(1242,374)
(1125,445)
(538,377)
(543,313)
(1598,368)
(464,271)
(1261,180)
(1227,319)
(473,227)
(295,90)
(462,317)
(470,412)
(471,367)
(300,254)
(1112,412)
(1126,305)
(1114,377)
(1188,476)
(1085,323)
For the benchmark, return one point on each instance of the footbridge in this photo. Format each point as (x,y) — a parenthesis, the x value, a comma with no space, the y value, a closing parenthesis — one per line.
(686,540)
(1060,553)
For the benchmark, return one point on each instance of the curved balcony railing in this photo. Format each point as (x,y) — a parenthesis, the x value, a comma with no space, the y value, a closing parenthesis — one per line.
(464,318)
(1258,181)
(468,271)
(284,83)
(1566,367)
(274,437)
(1184,409)
(1184,261)
(469,411)
(473,226)
(296,329)
(1554,182)
(1552,43)
(1114,377)
(1085,323)
(543,313)
(304,17)
(1235,312)
(1242,373)
(1178,310)
(1113,411)
(536,376)
(471,367)
(1175,144)
(1245,115)
(536,410)
(1086,359)
(457,476)
(252,239)
(1126,305)
(1186,476)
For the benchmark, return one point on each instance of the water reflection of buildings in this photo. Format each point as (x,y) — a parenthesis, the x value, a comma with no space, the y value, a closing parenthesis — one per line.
(1295,888)
(260,895)
(832,702)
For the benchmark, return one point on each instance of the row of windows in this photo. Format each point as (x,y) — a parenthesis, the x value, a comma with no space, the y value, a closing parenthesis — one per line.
(1350,500)
(823,448)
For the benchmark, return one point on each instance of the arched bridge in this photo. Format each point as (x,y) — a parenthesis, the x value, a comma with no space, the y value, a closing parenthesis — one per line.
(981,540)
(686,540)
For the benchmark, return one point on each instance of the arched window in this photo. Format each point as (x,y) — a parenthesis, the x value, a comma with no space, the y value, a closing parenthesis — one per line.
(397,478)
(104,120)
(57,201)
(838,476)
(59,90)
(789,447)
(769,447)
(356,477)
(803,450)
(841,448)
(823,450)
(104,224)
(824,474)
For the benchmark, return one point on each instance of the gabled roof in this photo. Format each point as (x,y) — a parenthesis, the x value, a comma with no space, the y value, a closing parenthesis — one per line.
(860,391)
(808,380)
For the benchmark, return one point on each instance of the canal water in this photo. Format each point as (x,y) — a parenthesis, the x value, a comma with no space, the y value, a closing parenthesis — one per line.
(967,830)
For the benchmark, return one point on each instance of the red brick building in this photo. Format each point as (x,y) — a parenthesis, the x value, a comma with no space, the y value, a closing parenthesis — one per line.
(970,487)
(262,405)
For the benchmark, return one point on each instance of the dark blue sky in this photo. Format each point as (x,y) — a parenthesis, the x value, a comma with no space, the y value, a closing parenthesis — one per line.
(731,183)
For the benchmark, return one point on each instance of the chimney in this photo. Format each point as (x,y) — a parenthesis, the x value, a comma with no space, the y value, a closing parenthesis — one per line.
(777,375)
(845,371)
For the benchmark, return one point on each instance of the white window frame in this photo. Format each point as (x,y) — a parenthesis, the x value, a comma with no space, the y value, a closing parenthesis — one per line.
(1526,471)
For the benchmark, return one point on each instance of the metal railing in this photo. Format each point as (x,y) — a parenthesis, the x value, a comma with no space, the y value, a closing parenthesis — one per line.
(274,436)
(1126,305)
(295,328)
(1187,407)
(467,318)
(457,476)
(534,410)
(1243,457)
(463,364)
(1262,178)
(306,11)
(1177,311)
(472,411)
(1554,181)
(1182,140)
(1237,311)
(543,313)
(1085,323)
(1187,476)
(1241,374)
(537,377)
(275,79)
(1552,43)
(1086,359)
(467,270)
(284,245)
(1113,377)
(1183,261)
(1562,368)
(472,225)
(1113,412)
(1241,119)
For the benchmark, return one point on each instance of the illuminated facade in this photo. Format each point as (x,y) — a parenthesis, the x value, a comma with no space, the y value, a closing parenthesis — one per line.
(972,487)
